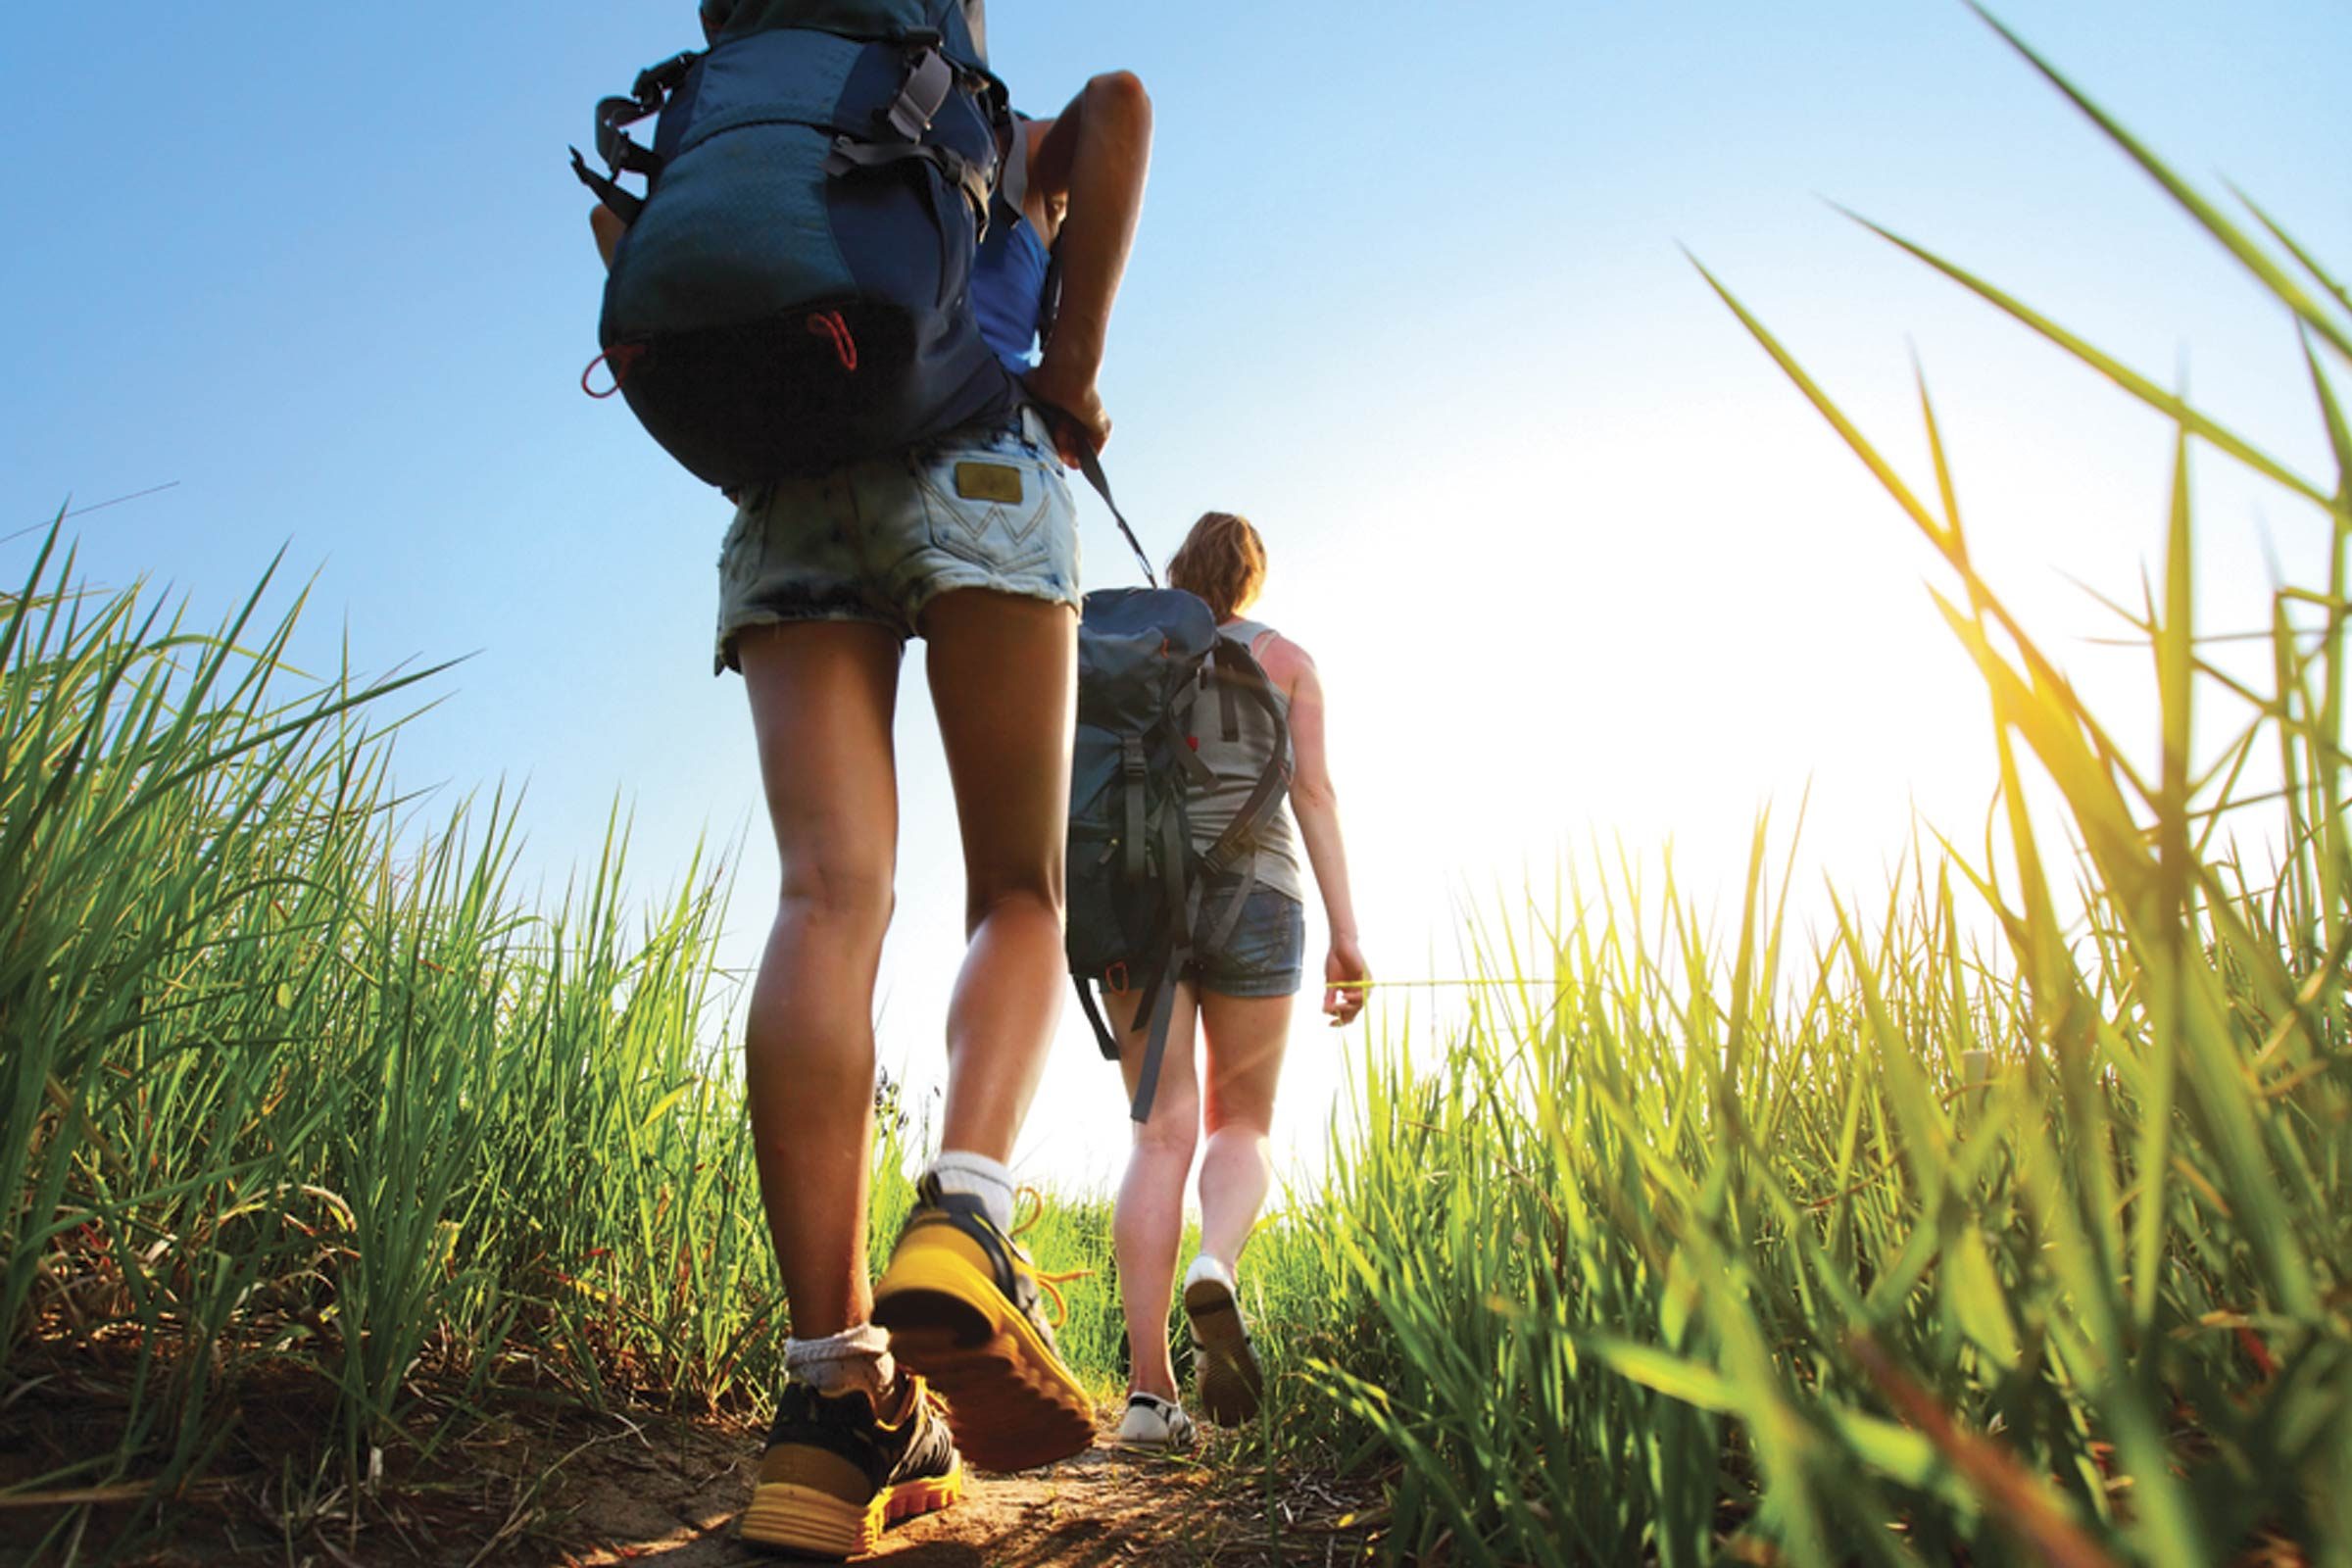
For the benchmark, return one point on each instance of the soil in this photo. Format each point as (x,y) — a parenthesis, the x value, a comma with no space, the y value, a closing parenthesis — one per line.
(1102,1507)
(561,1486)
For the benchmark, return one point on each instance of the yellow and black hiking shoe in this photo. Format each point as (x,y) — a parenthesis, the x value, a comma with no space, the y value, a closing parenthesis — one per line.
(836,1475)
(1230,1378)
(960,1303)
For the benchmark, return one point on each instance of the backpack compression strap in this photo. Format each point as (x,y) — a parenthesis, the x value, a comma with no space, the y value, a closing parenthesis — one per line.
(1108,1042)
(1158,998)
(931,77)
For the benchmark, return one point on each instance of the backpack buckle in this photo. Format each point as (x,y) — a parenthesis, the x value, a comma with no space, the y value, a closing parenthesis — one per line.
(654,83)
(621,155)
(930,79)
(1131,757)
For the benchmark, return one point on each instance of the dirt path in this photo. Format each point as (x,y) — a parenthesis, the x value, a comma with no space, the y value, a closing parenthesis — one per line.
(636,1505)
(566,1487)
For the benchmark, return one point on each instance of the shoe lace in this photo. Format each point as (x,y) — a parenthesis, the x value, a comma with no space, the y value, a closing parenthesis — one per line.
(1037,1211)
(1050,1284)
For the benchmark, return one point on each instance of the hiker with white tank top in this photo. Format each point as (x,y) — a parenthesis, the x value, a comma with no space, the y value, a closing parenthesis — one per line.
(1240,989)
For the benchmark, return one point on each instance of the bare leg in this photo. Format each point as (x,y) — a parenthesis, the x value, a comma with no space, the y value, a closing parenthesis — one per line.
(1147,1227)
(957,1298)
(1003,675)
(821,694)
(1246,1036)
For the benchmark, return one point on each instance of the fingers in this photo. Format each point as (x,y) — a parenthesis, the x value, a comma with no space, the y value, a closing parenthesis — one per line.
(1344,992)
(606,224)
(1075,436)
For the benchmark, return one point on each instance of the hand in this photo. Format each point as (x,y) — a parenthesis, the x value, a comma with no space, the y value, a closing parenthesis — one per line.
(1344,974)
(606,224)
(1075,410)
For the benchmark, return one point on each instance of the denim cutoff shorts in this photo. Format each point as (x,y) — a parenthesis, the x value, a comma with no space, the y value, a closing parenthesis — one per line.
(877,540)
(1265,955)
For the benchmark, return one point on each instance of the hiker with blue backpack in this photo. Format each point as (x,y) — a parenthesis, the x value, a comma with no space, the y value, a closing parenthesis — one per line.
(788,311)
(1187,904)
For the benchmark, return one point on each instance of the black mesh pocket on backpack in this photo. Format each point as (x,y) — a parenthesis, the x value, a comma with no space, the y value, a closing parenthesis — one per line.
(792,394)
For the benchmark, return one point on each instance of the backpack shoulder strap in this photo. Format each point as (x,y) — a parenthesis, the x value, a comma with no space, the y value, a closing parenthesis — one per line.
(1013,172)
(1237,671)
(1222,930)
(1235,665)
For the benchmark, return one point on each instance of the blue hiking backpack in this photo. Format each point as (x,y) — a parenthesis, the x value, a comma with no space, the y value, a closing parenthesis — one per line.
(793,291)
(1146,657)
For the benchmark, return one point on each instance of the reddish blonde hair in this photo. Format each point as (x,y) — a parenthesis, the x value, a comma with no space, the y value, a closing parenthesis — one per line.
(1223,560)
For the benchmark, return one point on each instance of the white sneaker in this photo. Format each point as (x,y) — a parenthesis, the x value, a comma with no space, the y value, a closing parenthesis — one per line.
(1153,1425)
(1230,1378)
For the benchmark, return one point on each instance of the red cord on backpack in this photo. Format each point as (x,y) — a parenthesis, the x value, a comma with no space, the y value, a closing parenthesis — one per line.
(829,323)
(620,359)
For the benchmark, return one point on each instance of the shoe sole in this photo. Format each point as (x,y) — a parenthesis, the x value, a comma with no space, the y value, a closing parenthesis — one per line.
(1011,1404)
(817,1524)
(1231,1380)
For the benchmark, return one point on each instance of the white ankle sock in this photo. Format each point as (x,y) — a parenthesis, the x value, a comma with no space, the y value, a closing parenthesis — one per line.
(853,1358)
(988,1180)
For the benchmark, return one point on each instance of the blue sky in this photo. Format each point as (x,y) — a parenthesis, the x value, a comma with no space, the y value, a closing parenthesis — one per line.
(1576,561)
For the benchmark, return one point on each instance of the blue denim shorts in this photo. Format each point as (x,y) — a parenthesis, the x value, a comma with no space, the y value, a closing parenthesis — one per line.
(878,540)
(1265,955)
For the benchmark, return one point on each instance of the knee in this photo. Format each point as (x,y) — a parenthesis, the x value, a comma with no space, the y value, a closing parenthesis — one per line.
(1173,1132)
(839,890)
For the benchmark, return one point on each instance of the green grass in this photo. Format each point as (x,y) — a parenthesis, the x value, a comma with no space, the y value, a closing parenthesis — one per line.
(294,1080)
(2008,1220)
(302,1095)
(1688,1251)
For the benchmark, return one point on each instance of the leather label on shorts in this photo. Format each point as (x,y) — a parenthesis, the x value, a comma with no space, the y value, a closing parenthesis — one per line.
(989,481)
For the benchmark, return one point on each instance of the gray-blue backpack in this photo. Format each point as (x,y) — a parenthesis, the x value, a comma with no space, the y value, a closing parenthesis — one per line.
(1151,667)
(792,290)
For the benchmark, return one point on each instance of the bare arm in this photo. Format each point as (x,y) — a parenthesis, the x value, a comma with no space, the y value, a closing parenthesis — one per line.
(1094,158)
(1315,801)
